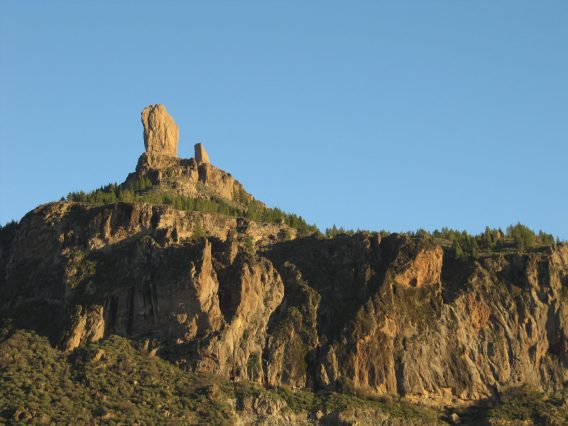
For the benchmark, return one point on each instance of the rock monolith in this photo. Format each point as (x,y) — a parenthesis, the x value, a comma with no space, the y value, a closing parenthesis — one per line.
(161,133)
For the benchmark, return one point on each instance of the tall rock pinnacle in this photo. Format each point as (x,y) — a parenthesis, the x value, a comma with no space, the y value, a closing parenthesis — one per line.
(161,133)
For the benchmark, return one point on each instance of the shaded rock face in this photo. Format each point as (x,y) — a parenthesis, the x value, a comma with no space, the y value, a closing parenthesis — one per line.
(161,133)
(391,316)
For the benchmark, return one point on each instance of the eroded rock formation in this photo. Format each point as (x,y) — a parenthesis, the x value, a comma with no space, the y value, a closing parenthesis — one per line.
(161,133)
(246,300)
(193,177)
(390,316)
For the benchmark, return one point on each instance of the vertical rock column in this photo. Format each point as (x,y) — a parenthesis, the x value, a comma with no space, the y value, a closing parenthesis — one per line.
(201,156)
(161,135)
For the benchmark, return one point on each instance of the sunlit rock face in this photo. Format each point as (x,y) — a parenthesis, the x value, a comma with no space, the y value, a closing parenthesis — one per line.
(193,177)
(201,154)
(161,134)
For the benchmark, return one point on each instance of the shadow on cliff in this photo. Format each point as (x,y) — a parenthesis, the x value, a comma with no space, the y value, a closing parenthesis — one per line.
(345,271)
(476,415)
(454,277)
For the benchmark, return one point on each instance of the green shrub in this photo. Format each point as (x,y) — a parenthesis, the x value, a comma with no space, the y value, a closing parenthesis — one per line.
(249,244)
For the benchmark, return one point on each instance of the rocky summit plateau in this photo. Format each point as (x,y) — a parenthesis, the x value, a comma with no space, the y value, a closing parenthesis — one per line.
(176,297)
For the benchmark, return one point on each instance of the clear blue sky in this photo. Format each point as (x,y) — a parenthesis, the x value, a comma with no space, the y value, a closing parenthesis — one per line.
(390,115)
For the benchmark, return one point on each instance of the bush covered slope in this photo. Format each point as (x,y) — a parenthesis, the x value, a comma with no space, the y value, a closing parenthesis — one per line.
(112,382)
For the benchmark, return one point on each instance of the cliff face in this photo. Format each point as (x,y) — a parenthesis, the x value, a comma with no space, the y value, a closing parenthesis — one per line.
(391,316)
(395,318)
(251,301)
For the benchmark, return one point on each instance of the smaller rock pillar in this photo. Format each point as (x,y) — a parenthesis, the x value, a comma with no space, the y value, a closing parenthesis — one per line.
(201,156)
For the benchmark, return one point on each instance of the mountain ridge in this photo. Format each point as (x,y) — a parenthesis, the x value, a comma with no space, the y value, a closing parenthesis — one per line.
(182,261)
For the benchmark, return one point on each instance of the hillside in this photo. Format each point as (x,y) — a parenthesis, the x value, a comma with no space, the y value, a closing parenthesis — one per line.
(179,276)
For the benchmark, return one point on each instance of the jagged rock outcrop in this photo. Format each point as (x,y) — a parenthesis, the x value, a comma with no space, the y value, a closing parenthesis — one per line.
(250,290)
(193,177)
(86,325)
(86,244)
